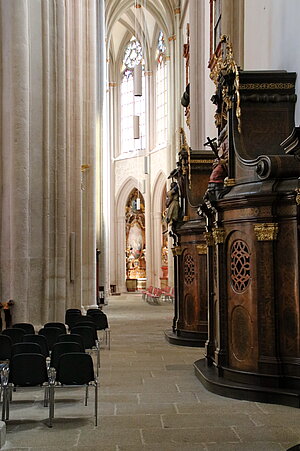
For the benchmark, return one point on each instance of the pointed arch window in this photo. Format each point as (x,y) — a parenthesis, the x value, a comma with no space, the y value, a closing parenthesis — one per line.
(161,91)
(131,105)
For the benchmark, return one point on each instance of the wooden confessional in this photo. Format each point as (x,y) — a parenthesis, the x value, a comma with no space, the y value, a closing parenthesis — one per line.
(252,225)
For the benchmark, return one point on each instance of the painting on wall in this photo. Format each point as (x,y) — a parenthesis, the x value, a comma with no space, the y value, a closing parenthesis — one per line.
(135,236)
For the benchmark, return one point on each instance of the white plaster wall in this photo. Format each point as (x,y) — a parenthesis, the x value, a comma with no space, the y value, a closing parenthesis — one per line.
(158,162)
(272,37)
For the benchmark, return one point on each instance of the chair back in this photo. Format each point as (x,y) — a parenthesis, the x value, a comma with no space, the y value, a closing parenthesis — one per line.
(88,335)
(27,327)
(61,326)
(61,348)
(51,334)
(75,368)
(15,334)
(28,370)
(5,347)
(72,338)
(40,340)
(100,321)
(88,323)
(90,311)
(25,347)
(71,318)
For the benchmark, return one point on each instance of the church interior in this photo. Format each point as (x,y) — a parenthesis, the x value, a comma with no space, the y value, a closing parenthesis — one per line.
(150,173)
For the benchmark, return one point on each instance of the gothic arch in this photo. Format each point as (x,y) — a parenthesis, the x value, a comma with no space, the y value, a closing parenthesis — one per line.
(120,235)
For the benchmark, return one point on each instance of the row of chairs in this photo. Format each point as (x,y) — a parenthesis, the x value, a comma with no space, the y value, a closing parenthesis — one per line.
(74,316)
(27,370)
(20,344)
(157,296)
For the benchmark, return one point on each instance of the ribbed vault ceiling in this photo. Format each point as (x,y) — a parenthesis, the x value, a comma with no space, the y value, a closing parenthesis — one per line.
(123,20)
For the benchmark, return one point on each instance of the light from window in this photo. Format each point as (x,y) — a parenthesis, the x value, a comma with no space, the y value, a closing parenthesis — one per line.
(161,92)
(131,105)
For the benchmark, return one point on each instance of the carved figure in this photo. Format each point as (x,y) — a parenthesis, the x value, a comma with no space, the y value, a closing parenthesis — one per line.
(219,168)
(172,204)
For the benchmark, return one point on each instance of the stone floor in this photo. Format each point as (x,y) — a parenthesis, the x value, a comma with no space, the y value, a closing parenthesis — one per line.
(149,400)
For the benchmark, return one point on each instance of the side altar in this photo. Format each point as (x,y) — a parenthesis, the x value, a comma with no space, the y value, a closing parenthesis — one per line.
(252,234)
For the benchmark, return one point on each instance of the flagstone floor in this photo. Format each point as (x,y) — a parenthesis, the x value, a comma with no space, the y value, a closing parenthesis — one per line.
(149,400)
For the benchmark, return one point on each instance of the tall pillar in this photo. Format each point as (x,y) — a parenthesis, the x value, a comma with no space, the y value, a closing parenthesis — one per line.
(89,155)
(15,261)
(197,74)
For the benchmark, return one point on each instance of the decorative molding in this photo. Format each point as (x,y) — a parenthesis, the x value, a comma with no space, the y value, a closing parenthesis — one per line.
(167,58)
(137,5)
(229,182)
(84,167)
(202,161)
(209,238)
(112,84)
(266,231)
(186,218)
(177,11)
(172,38)
(219,235)
(177,250)
(148,73)
(257,86)
(202,249)
(297,190)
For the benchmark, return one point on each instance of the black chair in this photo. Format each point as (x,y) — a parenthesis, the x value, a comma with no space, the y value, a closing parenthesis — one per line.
(73,310)
(72,338)
(27,327)
(40,340)
(5,348)
(72,319)
(101,322)
(76,369)
(15,334)
(51,334)
(92,310)
(57,324)
(89,323)
(25,347)
(71,315)
(27,370)
(89,341)
(61,348)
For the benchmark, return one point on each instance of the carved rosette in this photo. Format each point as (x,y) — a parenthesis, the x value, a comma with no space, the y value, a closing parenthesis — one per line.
(266,231)
(219,235)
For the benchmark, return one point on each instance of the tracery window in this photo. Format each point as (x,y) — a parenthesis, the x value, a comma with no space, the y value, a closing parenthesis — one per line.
(131,105)
(161,91)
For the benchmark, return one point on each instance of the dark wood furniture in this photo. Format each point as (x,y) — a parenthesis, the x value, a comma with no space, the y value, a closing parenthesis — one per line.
(190,249)
(253,346)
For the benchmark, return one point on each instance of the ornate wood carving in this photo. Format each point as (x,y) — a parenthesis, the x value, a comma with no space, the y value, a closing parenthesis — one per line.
(266,231)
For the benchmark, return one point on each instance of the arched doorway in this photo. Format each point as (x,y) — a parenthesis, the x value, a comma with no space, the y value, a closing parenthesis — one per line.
(135,241)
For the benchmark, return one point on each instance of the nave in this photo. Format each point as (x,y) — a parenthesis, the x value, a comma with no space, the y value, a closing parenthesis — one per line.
(149,399)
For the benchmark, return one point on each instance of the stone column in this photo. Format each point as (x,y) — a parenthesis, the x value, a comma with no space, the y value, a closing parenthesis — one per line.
(197,73)
(89,154)
(15,223)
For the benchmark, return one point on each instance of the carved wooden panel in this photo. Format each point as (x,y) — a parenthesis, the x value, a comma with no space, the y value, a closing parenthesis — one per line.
(240,275)
(242,311)
(241,333)
(189,269)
